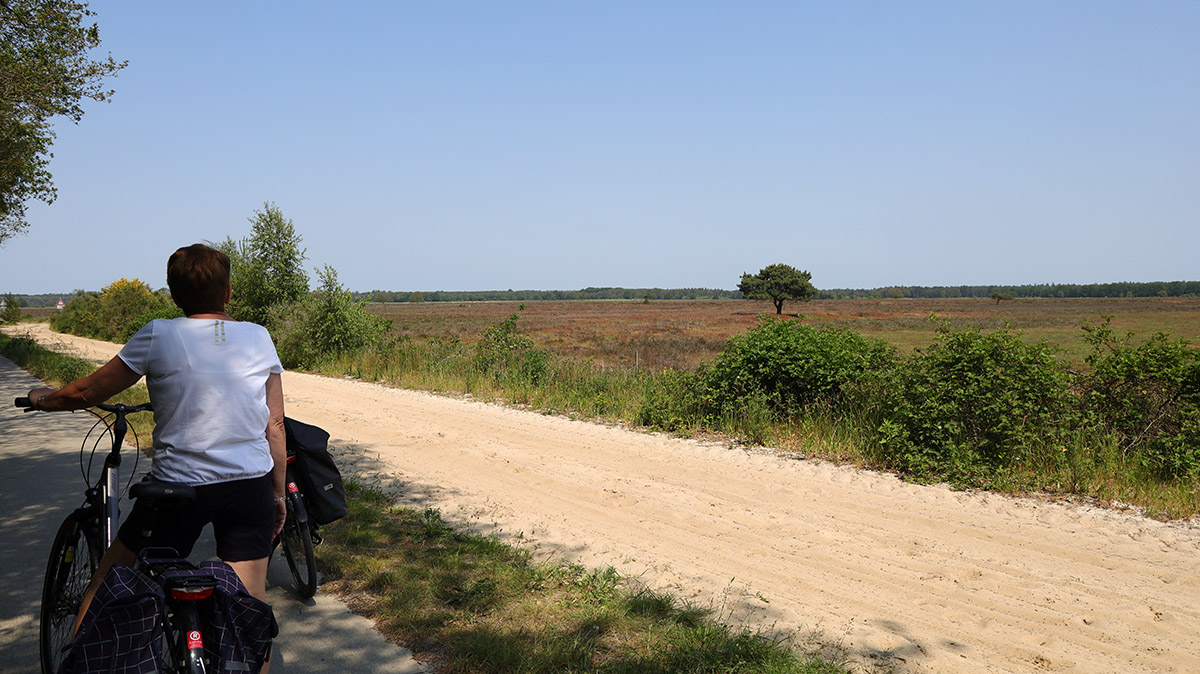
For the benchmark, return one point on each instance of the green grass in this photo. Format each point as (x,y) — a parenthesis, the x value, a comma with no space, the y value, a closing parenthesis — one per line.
(473,605)
(58,370)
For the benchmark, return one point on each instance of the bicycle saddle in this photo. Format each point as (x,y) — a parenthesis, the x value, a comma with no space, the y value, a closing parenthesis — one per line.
(162,492)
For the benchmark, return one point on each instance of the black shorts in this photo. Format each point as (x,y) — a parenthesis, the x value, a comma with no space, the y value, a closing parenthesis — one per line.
(242,513)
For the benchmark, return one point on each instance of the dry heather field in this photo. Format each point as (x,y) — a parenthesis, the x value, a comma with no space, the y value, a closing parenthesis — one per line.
(683,333)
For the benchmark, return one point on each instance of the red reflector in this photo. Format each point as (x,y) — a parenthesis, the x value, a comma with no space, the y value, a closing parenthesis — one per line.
(291,460)
(191,594)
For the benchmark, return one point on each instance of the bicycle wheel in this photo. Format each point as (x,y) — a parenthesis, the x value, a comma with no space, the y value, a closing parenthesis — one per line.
(74,557)
(298,550)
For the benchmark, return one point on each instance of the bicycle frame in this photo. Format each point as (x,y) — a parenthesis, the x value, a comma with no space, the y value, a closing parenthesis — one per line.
(111,477)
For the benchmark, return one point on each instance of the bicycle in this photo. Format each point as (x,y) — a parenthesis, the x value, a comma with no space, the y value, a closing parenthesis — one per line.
(187,625)
(299,535)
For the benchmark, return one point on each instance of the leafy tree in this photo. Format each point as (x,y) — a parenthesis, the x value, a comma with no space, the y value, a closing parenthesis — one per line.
(778,283)
(10,312)
(1000,297)
(45,72)
(266,269)
(325,325)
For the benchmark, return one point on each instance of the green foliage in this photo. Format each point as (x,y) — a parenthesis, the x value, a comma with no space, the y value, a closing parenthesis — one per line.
(971,406)
(326,325)
(674,401)
(47,72)
(12,310)
(1148,395)
(502,345)
(115,313)
(787,366)
(137,323)
(778,283)
(267,268)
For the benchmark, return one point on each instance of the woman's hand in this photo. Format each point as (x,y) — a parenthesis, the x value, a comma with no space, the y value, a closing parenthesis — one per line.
(280,517)
(36,395)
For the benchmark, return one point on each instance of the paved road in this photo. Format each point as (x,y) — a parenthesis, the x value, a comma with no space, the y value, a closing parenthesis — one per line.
(40,483)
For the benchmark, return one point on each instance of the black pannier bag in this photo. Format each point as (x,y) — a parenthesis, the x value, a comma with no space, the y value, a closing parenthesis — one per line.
(320,481)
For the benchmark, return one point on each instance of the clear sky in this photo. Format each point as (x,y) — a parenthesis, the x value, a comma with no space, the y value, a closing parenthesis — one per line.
(558,145)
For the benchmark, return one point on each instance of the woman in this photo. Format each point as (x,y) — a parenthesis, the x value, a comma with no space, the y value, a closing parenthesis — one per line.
(218,410)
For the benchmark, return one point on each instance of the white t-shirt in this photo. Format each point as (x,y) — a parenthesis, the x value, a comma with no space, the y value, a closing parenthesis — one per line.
(207,381)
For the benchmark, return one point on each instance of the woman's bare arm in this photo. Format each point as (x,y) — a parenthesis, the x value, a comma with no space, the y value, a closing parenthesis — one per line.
(277,439)
(112,378)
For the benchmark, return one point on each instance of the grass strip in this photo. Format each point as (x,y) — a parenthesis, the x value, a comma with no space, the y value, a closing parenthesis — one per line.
(57,370)
(471,604)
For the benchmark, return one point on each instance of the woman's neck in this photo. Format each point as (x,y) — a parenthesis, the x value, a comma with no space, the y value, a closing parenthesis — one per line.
(218,315)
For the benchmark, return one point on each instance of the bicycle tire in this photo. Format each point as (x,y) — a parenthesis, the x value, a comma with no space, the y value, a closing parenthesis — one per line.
(298,551)
(74,557)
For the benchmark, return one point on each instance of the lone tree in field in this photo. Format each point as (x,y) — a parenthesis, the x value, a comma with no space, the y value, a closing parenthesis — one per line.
(778,283)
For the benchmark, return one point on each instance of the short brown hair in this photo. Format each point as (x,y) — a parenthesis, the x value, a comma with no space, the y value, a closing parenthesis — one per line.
(198,277)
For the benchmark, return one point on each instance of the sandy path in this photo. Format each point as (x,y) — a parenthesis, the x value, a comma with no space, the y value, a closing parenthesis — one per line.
(947,581)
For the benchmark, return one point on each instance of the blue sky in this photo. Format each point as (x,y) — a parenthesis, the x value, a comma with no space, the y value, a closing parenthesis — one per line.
(559,145)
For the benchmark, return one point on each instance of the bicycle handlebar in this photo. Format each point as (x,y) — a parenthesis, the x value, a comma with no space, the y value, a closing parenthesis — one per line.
(120,408)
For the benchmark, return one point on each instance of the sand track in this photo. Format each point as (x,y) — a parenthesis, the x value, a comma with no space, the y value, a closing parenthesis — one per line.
(945,581)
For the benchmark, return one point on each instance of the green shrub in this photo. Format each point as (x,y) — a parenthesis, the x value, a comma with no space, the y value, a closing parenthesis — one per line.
(970,406)
(1149,396)
(787,366)
(325,325)
(501,344)
(12,310)
(108,314)
(78,314)
(673,401)
(510,357)
(137,323)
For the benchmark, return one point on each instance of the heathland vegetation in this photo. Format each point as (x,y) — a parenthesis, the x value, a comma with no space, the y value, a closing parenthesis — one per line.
(1028,396)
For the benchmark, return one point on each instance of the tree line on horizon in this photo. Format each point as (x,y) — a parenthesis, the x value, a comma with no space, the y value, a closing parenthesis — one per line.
(1041,290)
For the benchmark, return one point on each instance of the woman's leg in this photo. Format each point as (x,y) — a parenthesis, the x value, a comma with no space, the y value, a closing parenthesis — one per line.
(117,552)
(253,574)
